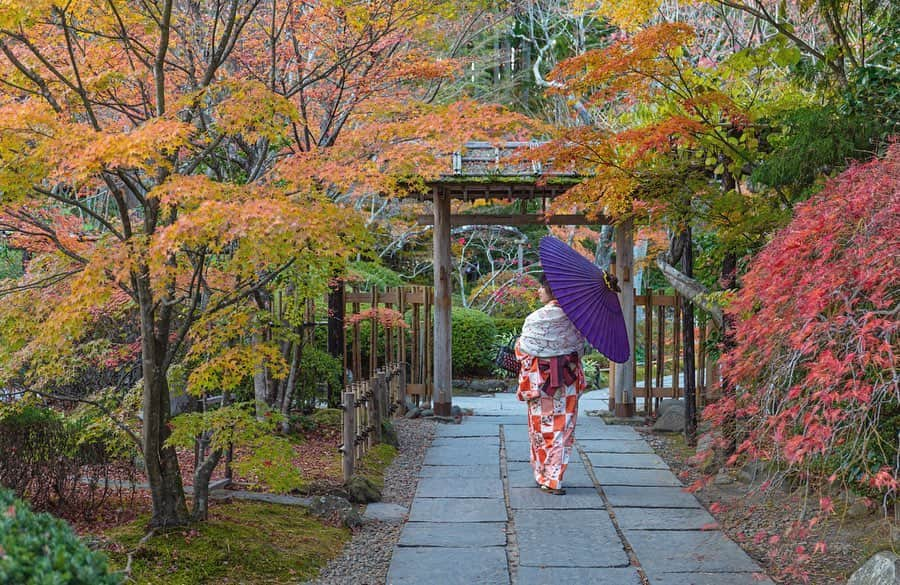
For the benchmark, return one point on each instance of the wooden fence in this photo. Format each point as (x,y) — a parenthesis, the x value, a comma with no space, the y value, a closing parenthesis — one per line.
(411,345)
(365,406)
(659,336)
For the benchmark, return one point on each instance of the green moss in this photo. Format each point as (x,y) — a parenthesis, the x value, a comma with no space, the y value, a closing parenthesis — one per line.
(243,542)
(375,462)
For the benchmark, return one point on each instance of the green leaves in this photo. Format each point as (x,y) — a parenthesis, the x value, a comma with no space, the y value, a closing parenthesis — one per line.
(262,454)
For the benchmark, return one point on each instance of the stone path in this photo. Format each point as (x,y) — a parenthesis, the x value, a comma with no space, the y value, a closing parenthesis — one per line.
(477,517)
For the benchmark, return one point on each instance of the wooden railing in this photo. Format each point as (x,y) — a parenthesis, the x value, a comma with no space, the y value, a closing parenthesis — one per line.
(365,406)
(660,338)
(389,345)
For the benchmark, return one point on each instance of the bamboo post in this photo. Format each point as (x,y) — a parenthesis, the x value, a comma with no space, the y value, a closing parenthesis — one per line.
(401,391)
(676,342)
(373,335)
(380,381)
(349,434)
(701,366)
(648,351)
(660,344)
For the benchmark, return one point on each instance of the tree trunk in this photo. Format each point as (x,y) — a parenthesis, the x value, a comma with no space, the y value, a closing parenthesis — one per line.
(687,336)
(202,475)
(336,333)
(728,281)
(291,385)
(260,384)
(603,254)
(688,288)
(161,462)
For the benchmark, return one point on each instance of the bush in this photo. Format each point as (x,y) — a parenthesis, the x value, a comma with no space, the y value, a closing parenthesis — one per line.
(38,548)
(316,366)
(815,339)
(473,337)
(328,417)
(509,325)
(58,463)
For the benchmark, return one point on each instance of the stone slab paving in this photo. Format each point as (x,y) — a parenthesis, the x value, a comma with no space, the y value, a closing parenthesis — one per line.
(532,498)
(578,576)
(458,527)
(460,487)
(568,538)
(621,496)
(448,455)
(458,510)
(449,566)
(664,519)
(471,471)
(454,534)
(615,446)
(636,477)
(627,460)
(689,551)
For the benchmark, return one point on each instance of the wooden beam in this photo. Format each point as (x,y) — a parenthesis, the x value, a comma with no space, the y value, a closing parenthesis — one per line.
(443,375)
(514,219)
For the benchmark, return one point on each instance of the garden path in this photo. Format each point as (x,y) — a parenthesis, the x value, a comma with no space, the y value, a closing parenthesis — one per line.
(478,519)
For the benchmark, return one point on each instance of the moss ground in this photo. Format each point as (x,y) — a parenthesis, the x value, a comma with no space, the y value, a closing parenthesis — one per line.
(243,542)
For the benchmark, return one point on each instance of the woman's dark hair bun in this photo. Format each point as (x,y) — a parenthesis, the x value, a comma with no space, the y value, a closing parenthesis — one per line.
(612,281)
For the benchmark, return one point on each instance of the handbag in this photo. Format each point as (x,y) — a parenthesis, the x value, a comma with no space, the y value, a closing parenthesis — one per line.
(506,357)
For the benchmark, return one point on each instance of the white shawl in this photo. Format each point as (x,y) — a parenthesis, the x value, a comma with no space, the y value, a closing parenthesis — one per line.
(547,332)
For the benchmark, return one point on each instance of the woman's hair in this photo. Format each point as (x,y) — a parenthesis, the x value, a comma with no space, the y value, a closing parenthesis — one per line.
(611,281)
(545,284)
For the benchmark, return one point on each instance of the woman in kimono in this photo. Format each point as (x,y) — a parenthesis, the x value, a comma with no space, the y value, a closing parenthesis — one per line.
(550,380)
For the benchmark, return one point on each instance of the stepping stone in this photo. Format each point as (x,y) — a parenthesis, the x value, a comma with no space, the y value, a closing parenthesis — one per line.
(518,451)
(452,455)
(615,446)
(467,429)
(458,510)
(710,579)
(381,512)
(468,442)
(568,538)
(578,576)
(627,460)
(451,566)
(474,471)
(688,551)
(664,519)
(532,498)
(636,477)
(460,487)
(453,534)
(521,475)
(649,497)
(506,420)
(607,432)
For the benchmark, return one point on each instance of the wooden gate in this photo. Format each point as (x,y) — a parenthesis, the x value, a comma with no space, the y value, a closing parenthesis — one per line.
(659,337)
(366,311)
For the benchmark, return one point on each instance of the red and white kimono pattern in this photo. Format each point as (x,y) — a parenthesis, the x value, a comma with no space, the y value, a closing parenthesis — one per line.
(551,419)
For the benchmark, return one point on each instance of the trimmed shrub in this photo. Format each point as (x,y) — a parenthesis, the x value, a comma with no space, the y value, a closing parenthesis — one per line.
(316,366)
(473,339)
(509,325)
(38,548)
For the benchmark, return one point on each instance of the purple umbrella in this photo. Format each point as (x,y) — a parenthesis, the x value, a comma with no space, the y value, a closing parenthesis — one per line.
(588,302)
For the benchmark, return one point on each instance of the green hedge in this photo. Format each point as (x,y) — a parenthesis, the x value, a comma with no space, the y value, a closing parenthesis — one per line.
(38,549)
(473,341)
(509,325)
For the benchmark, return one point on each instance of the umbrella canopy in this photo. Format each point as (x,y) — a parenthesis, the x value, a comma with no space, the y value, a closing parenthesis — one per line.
(585,298)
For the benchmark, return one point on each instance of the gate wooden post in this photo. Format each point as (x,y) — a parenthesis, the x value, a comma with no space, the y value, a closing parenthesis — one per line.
(443,390)
(349,435)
